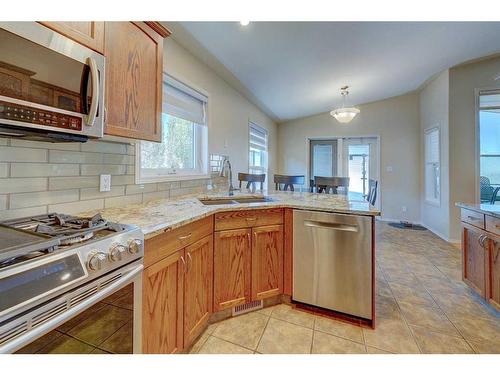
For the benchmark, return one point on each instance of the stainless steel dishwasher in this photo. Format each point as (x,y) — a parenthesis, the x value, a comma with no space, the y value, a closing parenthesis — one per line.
(332,261)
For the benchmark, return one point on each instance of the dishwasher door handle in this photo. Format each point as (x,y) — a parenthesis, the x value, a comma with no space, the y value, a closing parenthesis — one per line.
(332,226)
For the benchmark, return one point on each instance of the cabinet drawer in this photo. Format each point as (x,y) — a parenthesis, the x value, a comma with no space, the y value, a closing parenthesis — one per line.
(161,246)
(493,225)
(473,218)
(248,219)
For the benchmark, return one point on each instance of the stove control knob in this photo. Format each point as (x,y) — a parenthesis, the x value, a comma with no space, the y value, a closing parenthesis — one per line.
(134,246)
(97,260)
(116,252)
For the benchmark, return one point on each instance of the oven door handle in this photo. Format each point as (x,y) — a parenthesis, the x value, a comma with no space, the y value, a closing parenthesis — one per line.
(94,76)
(34,333)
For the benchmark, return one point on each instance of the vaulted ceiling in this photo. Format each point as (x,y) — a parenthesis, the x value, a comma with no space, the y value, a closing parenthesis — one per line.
(295,69)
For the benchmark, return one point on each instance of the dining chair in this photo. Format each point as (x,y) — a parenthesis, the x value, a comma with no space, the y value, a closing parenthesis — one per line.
(284,182)
(372,191)
(327,184)
(251,179)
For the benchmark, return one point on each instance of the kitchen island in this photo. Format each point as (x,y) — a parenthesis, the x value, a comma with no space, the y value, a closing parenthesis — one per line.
(209,256)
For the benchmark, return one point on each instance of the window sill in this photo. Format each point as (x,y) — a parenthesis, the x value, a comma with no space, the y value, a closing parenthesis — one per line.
(171,178)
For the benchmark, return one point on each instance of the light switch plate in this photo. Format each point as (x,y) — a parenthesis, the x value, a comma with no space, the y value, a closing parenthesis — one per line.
(105,182)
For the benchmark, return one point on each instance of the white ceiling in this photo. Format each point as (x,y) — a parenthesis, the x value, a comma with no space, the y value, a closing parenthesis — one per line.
(295,69)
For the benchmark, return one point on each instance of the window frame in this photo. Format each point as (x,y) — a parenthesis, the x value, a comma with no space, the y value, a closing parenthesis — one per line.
(437,201)
(201,136)
(265,169)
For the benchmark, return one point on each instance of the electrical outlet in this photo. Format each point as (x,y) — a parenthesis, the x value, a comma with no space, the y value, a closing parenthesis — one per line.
(403,208)
(105,182)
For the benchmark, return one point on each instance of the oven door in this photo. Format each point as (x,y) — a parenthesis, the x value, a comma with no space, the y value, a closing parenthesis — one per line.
(19,331)
(49,82)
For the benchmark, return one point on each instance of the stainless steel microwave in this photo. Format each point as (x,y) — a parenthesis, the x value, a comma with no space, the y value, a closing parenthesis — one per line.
(51,88)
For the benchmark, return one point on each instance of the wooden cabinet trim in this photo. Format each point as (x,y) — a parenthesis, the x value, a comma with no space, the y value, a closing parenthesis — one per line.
(288,251)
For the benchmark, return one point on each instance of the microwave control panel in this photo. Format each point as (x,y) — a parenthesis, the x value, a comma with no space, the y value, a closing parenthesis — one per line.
(32,115)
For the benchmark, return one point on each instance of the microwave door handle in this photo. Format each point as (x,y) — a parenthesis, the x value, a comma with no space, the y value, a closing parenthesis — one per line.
(94,76)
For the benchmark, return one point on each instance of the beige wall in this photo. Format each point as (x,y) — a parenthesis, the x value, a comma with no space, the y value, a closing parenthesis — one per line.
(463,81)
(229,111)
(396,121)
(434,112)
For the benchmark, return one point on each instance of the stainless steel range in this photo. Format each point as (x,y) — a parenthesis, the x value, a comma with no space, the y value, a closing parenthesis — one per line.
(53,267)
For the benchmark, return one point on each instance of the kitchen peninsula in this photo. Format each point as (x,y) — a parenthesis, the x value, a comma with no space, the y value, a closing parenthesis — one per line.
(206,255)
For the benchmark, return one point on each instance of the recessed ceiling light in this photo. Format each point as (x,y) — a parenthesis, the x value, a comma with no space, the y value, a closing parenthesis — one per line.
(244,23)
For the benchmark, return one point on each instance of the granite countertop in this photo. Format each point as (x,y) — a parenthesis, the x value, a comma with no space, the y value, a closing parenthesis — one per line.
(157,216)
(488,209)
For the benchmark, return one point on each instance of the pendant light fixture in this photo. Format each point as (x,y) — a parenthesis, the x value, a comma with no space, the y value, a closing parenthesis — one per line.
(345,114)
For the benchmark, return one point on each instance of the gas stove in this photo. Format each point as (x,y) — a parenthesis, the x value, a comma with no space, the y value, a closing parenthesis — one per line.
(52,266)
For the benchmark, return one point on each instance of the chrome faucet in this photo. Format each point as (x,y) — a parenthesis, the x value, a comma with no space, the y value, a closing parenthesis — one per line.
(230,174)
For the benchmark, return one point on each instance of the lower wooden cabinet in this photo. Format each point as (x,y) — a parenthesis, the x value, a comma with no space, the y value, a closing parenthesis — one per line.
(162,305)
(474,259)
(494,266)
(197,288)
(232,267)
(177,298)
(267,261)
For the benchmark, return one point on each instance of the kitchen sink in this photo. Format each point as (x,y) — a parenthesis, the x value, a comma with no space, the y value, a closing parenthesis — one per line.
(215,202)
(222,201)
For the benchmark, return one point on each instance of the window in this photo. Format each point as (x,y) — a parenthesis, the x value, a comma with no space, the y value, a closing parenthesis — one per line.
(183,151)
(432,166)
(489,146)
(257,157)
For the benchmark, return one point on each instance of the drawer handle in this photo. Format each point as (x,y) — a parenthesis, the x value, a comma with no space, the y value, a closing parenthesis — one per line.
(473,217)
(182,238)
(190,264)
(251,218)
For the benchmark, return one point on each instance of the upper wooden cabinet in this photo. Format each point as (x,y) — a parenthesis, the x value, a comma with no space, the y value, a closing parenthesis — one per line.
(134,76)
(88,33)
(267,261)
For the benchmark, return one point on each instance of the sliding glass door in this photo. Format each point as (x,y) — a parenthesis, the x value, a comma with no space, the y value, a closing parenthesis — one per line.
(489,146)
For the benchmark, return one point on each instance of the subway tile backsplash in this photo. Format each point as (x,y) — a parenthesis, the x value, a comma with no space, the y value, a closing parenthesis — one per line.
(39,177)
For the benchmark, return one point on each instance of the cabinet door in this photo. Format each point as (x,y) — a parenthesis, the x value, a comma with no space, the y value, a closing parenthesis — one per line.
(494,266)
(232,262)
(198,288)
(162,305)
(88,33)
(474,260)
(134,66)
(267,261)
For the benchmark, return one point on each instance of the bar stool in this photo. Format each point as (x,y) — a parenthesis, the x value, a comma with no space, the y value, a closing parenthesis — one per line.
(251,179)
(327,184)
(284,182)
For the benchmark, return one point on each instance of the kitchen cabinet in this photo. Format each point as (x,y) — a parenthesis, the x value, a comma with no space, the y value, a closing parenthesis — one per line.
(88,33)
(267,261)
(197,288)
(474,259)
(134,79)
(248,256)
(232,267)
(178,287)
(162,305)
(494,267)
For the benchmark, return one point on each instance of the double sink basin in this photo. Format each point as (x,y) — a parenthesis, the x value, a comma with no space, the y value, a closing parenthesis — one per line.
(230,200)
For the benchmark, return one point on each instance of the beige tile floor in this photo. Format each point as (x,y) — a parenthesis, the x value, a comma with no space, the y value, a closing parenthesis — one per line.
(422,307)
